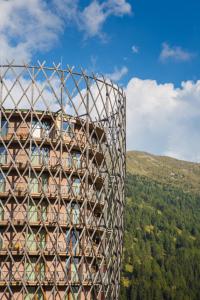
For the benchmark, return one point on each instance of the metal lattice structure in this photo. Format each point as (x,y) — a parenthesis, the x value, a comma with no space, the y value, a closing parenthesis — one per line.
(62,170)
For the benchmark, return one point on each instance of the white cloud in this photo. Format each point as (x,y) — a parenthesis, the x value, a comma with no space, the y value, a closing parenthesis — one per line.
(175,53)
(30,26)
(117,74)
(135,49)
(163,119)
(26,27)
(92,18)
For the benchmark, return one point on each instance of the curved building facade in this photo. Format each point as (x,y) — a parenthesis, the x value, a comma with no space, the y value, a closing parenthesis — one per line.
(62,170)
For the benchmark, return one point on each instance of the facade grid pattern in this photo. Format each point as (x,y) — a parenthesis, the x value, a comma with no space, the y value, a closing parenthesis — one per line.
(62,172)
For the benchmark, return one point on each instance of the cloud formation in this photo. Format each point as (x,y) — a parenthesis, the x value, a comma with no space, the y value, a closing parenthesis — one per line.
(92,18)
(174,53)
(118,74)
(163,119)
(27,27)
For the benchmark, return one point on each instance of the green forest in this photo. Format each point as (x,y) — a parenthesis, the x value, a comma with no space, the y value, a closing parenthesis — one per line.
(161,257)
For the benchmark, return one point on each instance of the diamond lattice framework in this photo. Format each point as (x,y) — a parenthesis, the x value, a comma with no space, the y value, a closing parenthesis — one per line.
(62,170)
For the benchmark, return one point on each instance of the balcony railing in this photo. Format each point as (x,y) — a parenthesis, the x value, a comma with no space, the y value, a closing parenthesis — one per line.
(37,244)
(49,276)
(37,216)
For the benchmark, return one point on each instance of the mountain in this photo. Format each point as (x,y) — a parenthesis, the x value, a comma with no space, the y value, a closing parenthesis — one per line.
(162,229)
(167,170)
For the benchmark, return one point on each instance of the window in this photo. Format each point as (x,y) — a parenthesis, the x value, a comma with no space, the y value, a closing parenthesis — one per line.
(36,129)
(4,127)
(1,238)
(68,128)
(2,183)
(35,155)
(44,181)
(74,270)
(72,240)
(76,186)
(46,128)
(40,128)
(45,155)
(3,155)
(34,270)
(32,212)
(1,211)
(40,270)
(33,295)
(34,184)
(76,160)
(39,156)
(30,269)
(69,161)
(31,240)
(42,239)
(75,213)
(74,293)
(43,211)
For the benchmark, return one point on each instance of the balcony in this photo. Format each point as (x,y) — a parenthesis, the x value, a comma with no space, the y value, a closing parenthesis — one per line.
(46,278)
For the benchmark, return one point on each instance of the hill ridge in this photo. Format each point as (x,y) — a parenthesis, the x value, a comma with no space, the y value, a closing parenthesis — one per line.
(164,169)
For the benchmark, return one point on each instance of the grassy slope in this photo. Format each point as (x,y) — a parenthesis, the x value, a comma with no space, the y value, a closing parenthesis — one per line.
(165,170)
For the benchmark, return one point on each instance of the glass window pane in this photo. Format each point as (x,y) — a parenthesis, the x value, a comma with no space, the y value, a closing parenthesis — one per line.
(4,127)
(45,155)
(36,129)
(31,241)
(32,212)
(34,185)
(2,183)
(35,155)
(68,128)
(44,183)
(3,155)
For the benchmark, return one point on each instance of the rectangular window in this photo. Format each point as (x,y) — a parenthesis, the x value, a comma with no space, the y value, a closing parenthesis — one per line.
(35,156)
(3,155)
(77,187)
(31,241)
(46,126)
(68,128)
(33,295)
(76,157)
(1,238)
(74,293)
(69,161)
(45,155)
(74,270)
(32,212)
(4,127)
(42,239)
(75,241)
(40,270)
(75,213)
(43,211)
(2,183)
(44,179)
(36,129)
(34,184)
(1,212)
(30,270)
(72,240)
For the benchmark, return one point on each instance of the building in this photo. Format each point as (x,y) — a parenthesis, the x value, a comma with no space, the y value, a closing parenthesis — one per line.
(61,204)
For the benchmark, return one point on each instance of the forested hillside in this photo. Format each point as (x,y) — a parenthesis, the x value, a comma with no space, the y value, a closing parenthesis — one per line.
(162,236)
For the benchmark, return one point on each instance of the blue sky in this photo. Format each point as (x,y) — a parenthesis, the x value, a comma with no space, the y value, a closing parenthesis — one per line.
(150,24)
(151,48)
